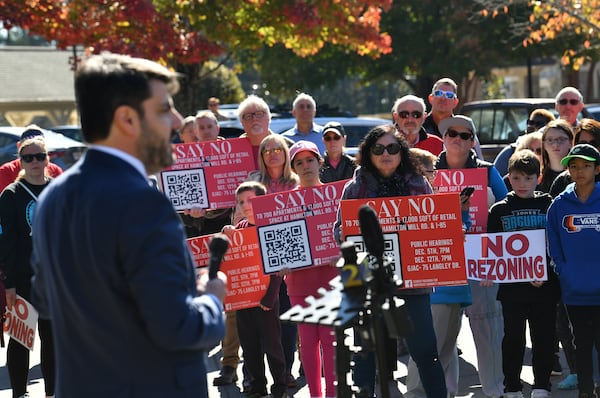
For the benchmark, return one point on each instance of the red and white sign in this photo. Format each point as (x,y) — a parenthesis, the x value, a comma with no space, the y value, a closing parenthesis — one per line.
(295,228)
(206,174)
(21,322)
(246,282)
(455,180)
(507,257)
(423,237)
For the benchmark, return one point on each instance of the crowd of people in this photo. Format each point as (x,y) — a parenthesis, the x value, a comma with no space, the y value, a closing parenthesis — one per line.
(107,251)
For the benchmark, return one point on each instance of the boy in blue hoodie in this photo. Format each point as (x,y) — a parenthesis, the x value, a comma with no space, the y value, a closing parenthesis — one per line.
(573,232)
(534,302)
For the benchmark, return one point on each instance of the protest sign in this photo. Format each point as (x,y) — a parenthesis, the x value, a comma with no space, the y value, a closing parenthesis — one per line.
(507,257)
(295,228)
(21,322)
(423,237)
(455,180)
(206,174)
(246,282)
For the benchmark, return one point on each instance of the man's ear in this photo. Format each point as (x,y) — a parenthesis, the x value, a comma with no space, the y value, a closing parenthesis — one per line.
(127,120)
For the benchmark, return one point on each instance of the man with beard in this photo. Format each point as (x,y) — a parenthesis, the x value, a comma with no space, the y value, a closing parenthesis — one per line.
(409,114)
(112,270)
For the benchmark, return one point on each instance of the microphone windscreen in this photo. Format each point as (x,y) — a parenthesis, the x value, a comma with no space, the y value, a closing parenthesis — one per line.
(371,231)
(217,247)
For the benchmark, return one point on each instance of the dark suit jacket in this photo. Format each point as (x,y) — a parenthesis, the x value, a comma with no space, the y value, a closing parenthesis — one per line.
(113,272)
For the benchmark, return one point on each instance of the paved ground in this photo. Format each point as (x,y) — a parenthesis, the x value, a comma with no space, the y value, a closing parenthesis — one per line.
(469,382)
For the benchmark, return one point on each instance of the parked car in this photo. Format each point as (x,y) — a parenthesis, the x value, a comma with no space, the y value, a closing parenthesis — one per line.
(72,131)
(500,122)
(355,127)
(63,150)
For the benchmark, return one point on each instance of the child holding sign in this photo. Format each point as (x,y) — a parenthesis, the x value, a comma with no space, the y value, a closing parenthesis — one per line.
(573,230)
(535,301)
(258,328)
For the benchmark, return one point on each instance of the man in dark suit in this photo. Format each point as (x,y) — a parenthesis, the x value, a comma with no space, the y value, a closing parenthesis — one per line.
(112,268)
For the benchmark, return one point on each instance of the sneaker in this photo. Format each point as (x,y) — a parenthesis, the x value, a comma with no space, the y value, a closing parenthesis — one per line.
(540,393)
(569,383)
(513,394)
(227,376)
(556,367)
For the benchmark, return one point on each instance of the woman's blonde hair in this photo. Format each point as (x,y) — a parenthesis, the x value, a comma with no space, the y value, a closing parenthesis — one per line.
(288,177)
(37,140)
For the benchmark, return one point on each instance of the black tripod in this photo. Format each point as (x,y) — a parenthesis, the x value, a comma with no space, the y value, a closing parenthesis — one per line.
(362,298)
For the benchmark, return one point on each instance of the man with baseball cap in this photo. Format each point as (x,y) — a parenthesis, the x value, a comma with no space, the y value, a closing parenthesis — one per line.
(337,165)
(9,171)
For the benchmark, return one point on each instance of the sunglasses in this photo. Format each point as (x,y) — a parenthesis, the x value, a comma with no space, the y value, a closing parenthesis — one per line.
(37,156)
(270,151)
(442,93)
(333,137)
(453,134)
(254,115)
(413,114)
(391,149)
(565,101)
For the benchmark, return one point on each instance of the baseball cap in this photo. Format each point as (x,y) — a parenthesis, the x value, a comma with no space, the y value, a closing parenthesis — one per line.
(31,131)
(456,120)
(334,127)
(582,151)
(302,146)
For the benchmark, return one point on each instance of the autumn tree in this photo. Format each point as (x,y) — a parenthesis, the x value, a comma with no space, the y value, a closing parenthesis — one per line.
(185,34)
(576,23)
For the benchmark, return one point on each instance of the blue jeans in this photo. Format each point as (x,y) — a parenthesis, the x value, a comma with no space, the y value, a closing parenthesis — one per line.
(421,345)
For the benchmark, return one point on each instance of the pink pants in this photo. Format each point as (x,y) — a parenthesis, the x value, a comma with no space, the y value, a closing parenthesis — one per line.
(317,353)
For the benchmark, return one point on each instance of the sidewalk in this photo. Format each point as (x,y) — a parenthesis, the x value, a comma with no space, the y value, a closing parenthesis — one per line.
(469,382)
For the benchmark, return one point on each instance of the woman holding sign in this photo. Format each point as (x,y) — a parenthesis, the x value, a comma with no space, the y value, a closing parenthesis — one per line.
(17,204)
(485,314)
(275,172)
(387,169)
(316,342)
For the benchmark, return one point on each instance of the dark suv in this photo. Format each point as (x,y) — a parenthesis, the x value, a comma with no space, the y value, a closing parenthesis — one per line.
(500,122)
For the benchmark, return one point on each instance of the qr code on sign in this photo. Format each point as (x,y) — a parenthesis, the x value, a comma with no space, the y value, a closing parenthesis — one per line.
(391,250)
(284,245)
(185,188)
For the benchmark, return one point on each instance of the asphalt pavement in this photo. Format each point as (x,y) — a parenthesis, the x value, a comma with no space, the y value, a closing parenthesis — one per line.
(469,381)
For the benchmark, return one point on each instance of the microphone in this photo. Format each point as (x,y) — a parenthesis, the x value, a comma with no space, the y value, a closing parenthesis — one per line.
(217,248)
(371,231)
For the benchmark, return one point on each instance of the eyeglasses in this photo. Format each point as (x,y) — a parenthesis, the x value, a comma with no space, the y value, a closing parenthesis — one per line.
(413,114)
(442,93)
(391,149)
(333,137)
(254,115)
(565,101)
(536,123)
(559,141)
(537,150)
(37,156)
(273,150)
(453,134)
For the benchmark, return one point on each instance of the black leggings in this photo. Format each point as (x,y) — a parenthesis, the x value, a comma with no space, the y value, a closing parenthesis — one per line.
(17,361)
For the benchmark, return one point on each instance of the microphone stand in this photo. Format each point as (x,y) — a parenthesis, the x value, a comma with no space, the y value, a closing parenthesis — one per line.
(362,298)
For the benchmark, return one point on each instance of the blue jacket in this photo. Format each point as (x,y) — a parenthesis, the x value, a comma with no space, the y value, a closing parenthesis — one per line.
(113,272)
(573,230)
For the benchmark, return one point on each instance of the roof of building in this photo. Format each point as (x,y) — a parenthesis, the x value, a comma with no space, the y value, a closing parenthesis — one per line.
(35,74)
